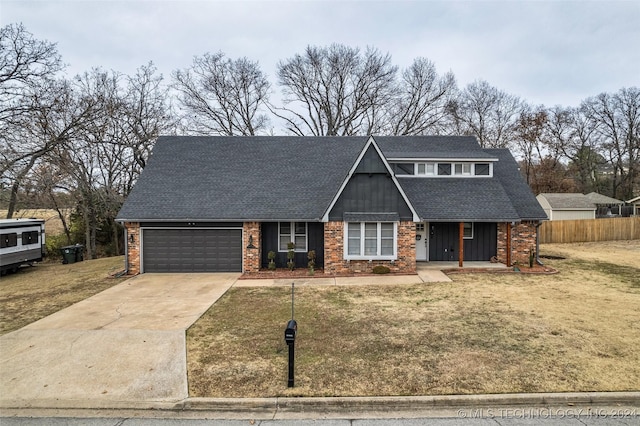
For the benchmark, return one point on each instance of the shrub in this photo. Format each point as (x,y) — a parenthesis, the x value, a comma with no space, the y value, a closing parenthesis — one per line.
(312,261)
(53,243)
(532,256)
(272,263)
(381,269)
(291,247)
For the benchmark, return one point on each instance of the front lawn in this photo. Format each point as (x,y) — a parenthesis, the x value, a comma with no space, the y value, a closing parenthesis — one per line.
(35,292)
(483,333)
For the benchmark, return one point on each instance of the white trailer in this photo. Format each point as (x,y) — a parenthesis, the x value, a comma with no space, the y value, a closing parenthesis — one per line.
(21,242)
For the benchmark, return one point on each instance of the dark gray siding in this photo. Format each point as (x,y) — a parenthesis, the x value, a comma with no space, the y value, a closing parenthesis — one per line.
(371,189)
(315,241)
(444,242)
(192,250)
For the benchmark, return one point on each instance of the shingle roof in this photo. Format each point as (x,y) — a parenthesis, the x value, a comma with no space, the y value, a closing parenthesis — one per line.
(431,147)
(596,198)
(568,201)
(241,178)
(507,171)
(295,178)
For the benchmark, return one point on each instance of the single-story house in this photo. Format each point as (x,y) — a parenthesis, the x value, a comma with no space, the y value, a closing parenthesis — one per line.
(605,206)
(567,206)
(635,202)
(223,203)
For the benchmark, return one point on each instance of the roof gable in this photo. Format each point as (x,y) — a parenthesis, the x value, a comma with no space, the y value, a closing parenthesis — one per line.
(370,160)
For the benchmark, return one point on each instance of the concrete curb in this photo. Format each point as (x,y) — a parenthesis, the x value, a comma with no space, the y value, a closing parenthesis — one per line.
(346,405)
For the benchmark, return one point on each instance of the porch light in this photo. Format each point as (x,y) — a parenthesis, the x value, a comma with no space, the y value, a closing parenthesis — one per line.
(132,239)
(251,246)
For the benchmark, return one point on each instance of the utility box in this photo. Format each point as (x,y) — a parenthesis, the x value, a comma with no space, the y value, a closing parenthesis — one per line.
(72,254)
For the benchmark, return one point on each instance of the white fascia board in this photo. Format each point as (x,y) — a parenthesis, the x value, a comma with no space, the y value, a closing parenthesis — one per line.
(450,160)
(370,142)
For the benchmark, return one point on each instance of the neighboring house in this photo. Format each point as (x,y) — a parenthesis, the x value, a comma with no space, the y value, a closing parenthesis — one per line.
(605,206)
(635,202)
(222,203)
(569,206)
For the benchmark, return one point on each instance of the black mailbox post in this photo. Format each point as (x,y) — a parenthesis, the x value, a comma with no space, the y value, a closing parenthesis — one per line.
(290,339)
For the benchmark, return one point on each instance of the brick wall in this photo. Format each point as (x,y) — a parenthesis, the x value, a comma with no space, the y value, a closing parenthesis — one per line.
(523,240)
(251,256)
(133,248)
(334,262)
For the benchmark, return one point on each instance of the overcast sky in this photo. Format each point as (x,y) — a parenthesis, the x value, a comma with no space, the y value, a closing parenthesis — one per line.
(547,52)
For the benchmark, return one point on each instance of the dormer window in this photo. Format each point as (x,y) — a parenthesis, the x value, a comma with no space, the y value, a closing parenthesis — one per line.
(425,169)
(442,169)
(482,169)
(462,169)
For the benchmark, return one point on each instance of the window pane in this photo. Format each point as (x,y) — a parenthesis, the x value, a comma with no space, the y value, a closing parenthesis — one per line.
(444,169)
(482,169)
(430,168)
(301,228)
(354,230)
(370,230)
(284,240)
(285,228)
(468,230)
(386,247)
(421,168)
(301,243)
(458,169)
(354,247)
(386,230)
(370,247)
(466,169)
(403,168)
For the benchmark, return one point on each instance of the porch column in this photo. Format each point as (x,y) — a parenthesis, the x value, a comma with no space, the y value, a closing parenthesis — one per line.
(461,244)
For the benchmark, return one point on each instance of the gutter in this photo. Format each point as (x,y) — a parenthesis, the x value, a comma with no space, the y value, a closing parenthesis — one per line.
(126,251)
(538,261)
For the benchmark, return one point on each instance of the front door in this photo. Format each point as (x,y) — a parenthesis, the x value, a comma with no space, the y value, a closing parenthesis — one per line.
(422,242)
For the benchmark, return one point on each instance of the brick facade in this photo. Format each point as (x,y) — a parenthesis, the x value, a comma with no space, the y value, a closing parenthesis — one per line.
(251,250)
(523,241)
(334,262)
(133,247)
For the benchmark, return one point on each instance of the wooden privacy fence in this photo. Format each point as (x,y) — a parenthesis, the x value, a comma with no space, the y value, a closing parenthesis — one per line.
(586,230)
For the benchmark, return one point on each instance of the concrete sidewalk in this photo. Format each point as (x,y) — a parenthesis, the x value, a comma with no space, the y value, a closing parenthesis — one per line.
(423,276)
(126,343)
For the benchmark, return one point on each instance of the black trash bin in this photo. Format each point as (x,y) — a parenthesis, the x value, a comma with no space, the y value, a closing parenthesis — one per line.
(72,254)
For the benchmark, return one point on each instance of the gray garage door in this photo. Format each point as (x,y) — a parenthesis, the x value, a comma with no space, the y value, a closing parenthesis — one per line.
(192,250)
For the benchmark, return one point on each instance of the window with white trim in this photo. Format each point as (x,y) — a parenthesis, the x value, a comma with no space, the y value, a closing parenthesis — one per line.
(462,169)
(371,240)
(467,231)
(292,232)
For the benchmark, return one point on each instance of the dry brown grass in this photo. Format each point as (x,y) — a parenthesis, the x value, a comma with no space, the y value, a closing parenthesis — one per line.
(52,222)
(578,330)
(35,292)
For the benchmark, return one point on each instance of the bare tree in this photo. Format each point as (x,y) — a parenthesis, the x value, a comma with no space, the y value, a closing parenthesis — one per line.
(529,133)
(487,113)
(335,90)
(27,90)
(420,102)
(617,120)
(222,96)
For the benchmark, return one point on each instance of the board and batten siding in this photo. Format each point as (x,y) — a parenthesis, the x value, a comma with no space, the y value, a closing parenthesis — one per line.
(370,190)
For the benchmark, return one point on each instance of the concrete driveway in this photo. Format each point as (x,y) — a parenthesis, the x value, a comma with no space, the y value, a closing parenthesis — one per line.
(126,343)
